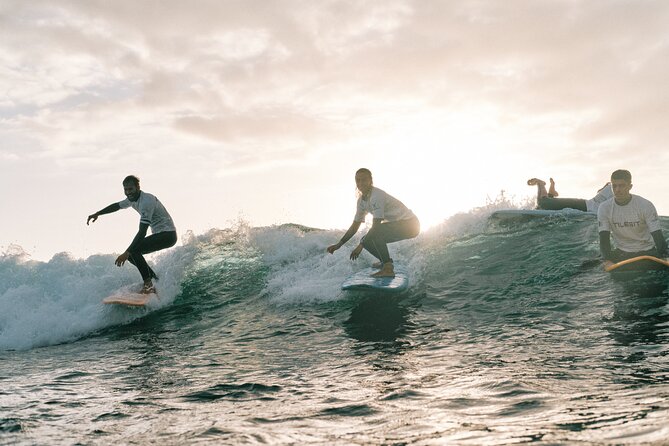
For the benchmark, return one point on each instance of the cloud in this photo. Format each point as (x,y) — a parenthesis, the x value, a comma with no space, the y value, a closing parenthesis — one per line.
(254,95)
(271,125)
(90,80)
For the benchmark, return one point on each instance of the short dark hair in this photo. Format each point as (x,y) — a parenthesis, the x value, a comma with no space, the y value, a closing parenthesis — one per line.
(131,179)
(364,170)
(622,174)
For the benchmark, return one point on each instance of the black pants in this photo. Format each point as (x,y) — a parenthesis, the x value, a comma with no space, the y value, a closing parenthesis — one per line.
(619,256)
(152,243)
(376,241)
(555,204)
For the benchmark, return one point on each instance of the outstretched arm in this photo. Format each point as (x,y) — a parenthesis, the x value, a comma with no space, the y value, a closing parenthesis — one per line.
(108,210)
(350,233)
(141,233)
(660,243)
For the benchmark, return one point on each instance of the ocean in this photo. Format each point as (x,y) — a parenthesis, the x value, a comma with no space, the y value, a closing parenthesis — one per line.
(510,333)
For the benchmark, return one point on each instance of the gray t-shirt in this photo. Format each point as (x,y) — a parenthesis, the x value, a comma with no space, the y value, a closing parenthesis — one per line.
(151,212)
(382,205)
(631,224)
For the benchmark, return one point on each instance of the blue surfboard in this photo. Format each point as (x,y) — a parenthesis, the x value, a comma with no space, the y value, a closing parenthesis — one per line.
(362,281)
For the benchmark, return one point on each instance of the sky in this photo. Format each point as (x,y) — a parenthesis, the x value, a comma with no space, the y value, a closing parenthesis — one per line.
(260,111)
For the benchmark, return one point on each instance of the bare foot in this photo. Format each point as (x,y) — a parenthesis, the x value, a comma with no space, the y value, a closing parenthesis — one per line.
(535,181)
(387,271)
(148,289)
(551,190)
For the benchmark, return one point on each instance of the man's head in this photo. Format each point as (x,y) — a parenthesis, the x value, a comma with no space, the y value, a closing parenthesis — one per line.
(621,183)
(363,180)
(131,187)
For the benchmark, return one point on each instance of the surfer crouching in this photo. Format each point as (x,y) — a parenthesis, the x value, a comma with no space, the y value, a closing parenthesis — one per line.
(633,222)
(152,215)
(393,222)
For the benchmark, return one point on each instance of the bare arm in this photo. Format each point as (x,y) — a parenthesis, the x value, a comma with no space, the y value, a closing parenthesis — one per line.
(350,233)
(141,233)
(108,210)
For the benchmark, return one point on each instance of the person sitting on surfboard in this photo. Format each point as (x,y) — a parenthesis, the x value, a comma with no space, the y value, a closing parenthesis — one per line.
(393,222)
(152,215)
(633,222)
(548,200)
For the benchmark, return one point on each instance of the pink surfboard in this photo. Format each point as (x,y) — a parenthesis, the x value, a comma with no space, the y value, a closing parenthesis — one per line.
(129,299)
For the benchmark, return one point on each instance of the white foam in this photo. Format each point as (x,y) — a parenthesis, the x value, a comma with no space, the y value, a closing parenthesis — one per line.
(302,271)
(46,303)
(475,220)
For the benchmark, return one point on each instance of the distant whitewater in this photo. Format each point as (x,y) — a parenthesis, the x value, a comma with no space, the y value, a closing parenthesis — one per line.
(510,333)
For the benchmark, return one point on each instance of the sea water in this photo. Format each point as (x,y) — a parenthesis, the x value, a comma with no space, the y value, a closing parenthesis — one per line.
(510,333)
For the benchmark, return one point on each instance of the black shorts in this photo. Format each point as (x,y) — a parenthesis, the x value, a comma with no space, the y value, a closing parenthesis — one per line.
(555,204)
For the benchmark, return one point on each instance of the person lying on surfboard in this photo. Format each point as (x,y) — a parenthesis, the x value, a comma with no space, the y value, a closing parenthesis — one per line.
(393,222)
(547,199)
(632,221)
(152,215)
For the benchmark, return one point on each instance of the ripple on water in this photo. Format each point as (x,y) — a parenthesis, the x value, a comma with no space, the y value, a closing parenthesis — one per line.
(10,425)
(352,410)
(246,391)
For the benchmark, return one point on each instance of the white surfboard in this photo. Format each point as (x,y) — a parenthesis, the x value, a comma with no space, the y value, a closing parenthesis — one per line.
(363,281)
(129,299)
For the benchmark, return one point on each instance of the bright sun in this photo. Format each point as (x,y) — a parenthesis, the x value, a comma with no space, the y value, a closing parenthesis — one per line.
(438,166)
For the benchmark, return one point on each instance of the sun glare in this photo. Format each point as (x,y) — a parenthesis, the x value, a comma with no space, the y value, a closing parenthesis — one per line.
(438,162)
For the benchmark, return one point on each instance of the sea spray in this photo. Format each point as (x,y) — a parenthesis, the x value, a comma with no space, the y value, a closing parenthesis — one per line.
(301,270)
(46,303)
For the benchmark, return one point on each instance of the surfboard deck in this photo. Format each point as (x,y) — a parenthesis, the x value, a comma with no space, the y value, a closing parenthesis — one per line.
(129,299)
(640,263)
(362,281)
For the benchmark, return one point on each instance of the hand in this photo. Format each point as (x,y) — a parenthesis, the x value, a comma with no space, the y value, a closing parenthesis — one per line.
(92,217)
(332,248)
(120,260)
(356,252)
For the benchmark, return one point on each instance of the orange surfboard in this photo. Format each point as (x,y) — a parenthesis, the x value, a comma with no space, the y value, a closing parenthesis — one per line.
(659,263)
(129,299)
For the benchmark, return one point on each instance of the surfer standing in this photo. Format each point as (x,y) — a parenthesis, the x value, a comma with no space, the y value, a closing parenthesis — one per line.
(393,222)
(152,215)
(547,199)
(633,222)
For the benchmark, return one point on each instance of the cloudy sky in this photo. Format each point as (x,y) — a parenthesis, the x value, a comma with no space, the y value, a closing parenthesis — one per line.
(263,110)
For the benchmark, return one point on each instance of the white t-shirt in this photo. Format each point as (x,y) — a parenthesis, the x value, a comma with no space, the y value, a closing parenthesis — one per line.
(151,211)
(592,205)
(630,225)
(382,205)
